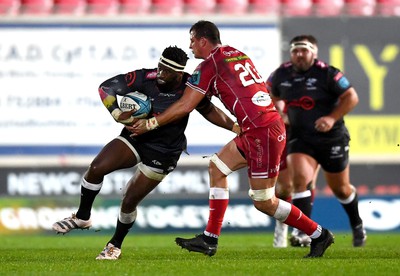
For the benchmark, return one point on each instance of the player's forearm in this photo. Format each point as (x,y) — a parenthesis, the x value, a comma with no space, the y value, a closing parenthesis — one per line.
(173,113)
(217,117)
(346,104)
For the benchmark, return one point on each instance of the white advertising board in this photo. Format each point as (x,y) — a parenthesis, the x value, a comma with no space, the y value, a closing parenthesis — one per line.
(49,77)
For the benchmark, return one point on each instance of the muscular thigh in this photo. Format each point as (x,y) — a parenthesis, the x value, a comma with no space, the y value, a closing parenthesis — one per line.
(114,156)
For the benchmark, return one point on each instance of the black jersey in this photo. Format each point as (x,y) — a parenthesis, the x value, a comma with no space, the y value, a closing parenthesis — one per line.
(166,139)
(308,96)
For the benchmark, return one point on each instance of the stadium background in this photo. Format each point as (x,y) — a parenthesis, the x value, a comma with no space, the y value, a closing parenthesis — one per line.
(52,122)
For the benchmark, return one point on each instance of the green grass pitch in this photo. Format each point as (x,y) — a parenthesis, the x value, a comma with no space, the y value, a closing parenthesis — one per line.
(238,254)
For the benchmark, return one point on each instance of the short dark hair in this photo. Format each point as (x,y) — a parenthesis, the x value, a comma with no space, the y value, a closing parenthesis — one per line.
(176,54)
(206,29)
(309,38)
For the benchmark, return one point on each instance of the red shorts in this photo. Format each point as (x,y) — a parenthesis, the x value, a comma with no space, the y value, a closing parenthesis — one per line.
(283,163)
(263,148)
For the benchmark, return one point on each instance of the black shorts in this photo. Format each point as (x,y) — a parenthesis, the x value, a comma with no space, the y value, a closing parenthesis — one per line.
(160,161)
(333,157)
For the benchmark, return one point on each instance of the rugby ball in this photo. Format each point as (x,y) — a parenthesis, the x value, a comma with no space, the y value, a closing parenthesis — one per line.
(138,101)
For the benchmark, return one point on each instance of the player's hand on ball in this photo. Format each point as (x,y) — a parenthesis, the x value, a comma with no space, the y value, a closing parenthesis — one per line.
(142,126)
(126,117)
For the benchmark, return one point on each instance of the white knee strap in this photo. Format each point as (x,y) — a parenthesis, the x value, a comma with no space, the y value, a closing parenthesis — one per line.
(262,195)
(150,173)
(220,165)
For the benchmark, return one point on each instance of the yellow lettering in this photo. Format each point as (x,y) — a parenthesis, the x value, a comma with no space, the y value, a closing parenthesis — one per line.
(375,73)
(336,56)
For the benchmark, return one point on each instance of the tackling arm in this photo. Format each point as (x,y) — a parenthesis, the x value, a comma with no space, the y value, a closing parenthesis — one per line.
(190,99)
(216,116)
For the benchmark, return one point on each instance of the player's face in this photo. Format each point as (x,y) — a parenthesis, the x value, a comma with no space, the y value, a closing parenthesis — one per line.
(166,77)
(195,45)
(302,59)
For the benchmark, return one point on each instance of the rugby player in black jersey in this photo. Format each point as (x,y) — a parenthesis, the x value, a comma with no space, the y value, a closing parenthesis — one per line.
(317,96)
(156,153)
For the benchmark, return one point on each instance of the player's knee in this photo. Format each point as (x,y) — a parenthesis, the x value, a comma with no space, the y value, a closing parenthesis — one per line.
(217,166)
(151,174)
(265,207)
(95,171)
(129,203)
(262,199)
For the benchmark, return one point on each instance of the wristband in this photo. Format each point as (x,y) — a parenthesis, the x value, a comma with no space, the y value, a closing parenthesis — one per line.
(116,113)
(152,123)
(236,128)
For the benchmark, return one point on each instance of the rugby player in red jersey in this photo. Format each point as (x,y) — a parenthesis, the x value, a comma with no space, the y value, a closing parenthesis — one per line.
(230,75)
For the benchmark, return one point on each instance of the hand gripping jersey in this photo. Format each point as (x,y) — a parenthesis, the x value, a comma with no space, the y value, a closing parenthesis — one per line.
(308,96)
(231,76)
(166,139)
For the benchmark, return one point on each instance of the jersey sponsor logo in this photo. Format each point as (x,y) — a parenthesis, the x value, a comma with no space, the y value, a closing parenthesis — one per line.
(281,137)
(286,84)
(261,98)
(166,95)
(151,75)
(130,78)
(234,59)
(195,78)
(230,53)
(305,102)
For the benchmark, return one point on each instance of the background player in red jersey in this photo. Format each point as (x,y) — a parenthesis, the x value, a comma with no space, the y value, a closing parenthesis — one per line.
(316,97)
(230,75)
(155,153)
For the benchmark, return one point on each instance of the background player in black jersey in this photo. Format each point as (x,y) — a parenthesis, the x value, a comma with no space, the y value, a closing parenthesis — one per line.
(156,153)
(316,97)
(284,189)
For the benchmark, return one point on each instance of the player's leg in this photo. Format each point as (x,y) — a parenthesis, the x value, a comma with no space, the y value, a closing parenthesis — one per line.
(138,187)
(263,173)
(347,195)
(283,190)
(303,169)
(117,154)
(221,165)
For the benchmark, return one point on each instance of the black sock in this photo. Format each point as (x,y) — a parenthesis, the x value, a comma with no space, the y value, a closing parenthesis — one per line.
(352,212)
(85,205)
(304,204)
(120,233)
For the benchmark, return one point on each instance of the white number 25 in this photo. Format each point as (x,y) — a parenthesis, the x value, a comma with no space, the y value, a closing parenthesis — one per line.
(248,74)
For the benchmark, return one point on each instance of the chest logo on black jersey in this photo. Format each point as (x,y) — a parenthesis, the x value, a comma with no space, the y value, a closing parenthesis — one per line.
(304,102)
(311,82)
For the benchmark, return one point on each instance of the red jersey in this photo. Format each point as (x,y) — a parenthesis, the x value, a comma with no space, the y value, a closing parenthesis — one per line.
(230,75)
